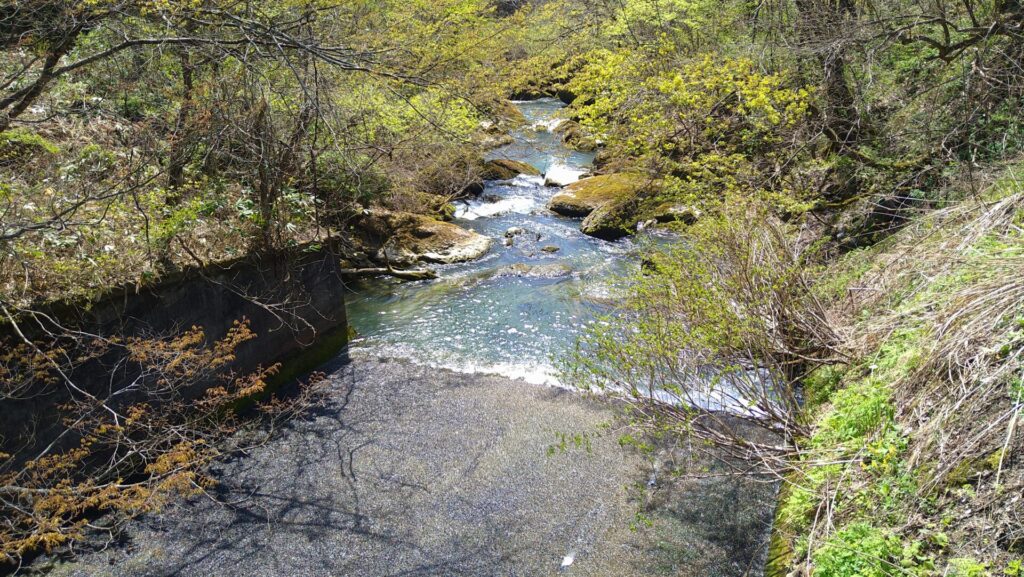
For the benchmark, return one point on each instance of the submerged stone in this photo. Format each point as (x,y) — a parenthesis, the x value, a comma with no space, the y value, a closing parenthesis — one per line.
(553,270)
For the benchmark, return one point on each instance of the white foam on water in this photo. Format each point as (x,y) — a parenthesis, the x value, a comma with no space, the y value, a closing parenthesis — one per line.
(534,374)
(474,209)
(527,181)
(547,125)
(559,174)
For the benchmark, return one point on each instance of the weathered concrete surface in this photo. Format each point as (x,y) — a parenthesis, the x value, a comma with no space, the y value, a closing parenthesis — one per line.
(302,285)
(413,471)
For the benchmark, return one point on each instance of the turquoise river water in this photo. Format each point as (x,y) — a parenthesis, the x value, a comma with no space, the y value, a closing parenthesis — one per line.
(475,319)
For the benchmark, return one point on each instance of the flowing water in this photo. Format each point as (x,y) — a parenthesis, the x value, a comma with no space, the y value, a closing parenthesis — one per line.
(478,317)
(454,476)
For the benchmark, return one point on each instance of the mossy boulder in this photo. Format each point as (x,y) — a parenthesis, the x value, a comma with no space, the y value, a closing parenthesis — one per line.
(502,117)
(608,161)
(673,212)
(404,238)
(20,144)
(419,202)
(583,197)
(508,113)
(504,169)
(489,140)
(575,137)
(612,220)
(454,173)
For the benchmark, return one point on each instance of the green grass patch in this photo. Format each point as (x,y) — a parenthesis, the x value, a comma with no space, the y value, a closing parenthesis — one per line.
(821,384)
(20,142)
(859,550)
(857,411)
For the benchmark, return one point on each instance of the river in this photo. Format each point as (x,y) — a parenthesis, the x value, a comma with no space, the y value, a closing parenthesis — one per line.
(404,469)
(475,319)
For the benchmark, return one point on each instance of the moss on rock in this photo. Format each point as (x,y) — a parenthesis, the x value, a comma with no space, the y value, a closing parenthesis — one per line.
(504,169)
(19,144)
(587,195)
(508,112)
(575,137)
(612,220)
(671,212)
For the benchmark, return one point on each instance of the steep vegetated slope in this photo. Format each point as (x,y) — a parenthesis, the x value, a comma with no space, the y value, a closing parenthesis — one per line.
(913,463)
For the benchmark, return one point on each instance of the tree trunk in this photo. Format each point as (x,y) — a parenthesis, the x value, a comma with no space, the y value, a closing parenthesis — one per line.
(822,24)
(14,105)
(179,156)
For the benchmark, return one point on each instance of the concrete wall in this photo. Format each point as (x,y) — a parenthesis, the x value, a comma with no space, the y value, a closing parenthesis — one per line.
(294,301)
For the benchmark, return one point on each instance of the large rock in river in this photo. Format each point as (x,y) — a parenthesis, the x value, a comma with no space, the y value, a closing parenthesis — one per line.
(405,238)
(504,169)
(575,137)
(612,220)
(587,195)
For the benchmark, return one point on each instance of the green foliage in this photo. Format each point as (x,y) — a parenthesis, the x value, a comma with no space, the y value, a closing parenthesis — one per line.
(681,303)
(857,411)
(891,482)
(821,384)
(20,143)
(688,23)
(967,567)
(710,125)
(859,550)
(803,497)
(845,273)
(856,433)
(570,441)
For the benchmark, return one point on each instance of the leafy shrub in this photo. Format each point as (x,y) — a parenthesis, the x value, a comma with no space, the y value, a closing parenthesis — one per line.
(712,125)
